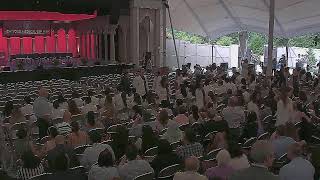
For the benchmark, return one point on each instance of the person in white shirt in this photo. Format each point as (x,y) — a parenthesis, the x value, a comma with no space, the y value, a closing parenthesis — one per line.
(139,84)
(91,154)
(89,106)
(299,168)
(76,97)
(200,95)
(284,108)
(162,90)
(27,109)
(132,166)
(118,100)
(57,112)
(104,169)
(94,100)
(253,105)
(192,165)
(234,115)
(230,85)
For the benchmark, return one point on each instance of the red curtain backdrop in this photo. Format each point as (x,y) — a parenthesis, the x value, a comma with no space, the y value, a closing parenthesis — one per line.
(39,44)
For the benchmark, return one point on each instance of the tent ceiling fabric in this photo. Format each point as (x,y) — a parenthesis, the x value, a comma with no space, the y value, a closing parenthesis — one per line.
(216,18)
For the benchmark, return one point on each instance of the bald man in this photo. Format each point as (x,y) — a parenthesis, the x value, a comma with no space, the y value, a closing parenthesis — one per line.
(42,110)
(192,165)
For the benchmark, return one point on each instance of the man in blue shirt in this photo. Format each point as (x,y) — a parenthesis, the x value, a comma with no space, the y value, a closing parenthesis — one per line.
(299,168)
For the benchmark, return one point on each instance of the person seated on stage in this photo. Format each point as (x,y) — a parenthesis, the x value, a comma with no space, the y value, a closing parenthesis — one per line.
(89,106)
(77,137)
(27,109)
(76,97)
(73,108)
(94,99)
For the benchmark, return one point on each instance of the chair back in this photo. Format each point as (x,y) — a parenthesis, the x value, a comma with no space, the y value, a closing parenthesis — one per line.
(41,176)
(146,176)
(169,171)
(80,149)
(44,139)
(264,136)
(249,143)
(151,151)
(212,154)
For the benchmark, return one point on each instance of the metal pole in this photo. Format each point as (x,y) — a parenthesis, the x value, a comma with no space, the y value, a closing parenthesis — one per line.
(287,53)
(173,36)
(212,53)
(270,41)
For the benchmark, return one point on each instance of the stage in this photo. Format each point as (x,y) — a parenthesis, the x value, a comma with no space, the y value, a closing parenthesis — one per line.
(70,73)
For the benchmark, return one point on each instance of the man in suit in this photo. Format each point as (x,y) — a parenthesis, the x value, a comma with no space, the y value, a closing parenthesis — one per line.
(262,156)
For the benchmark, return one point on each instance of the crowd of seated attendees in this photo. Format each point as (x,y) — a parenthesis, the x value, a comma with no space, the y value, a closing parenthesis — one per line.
(221,128)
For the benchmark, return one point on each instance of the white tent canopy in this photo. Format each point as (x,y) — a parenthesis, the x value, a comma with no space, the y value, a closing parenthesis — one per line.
(216,18)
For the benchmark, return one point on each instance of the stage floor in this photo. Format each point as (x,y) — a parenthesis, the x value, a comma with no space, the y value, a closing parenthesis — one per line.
(69,73)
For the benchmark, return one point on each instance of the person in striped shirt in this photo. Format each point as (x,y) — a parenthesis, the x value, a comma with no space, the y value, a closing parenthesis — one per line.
(31,166)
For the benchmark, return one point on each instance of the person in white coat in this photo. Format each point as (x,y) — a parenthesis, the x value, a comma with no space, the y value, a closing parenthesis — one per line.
(139,84)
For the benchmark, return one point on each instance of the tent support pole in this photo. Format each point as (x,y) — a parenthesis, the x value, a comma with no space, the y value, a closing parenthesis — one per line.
(270,39)
(287,53)
(173,36)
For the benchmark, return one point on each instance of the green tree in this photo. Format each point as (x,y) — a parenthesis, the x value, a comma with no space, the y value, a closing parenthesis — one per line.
(256,43)
(312,61)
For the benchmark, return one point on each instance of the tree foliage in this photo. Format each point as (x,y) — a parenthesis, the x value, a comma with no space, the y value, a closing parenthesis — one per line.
(256,41)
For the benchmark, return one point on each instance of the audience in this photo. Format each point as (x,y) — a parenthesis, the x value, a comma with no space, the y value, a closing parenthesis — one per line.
(91,154)
(173,133)
(104,169)
(281,142)
(299,168)
(238,159)
(190,146)
(131,164)
(178,135)
(77,137)
(61,148)
(31,166)
(223,170)
(165,157)
(262,157)
(192,165)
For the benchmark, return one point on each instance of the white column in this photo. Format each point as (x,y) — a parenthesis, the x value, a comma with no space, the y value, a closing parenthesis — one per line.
(112,44)
(164,36)
(106,45)
(33,45)
(55,42)
(45,44)
(124,47)
(134,35)
(67,42)
(157,38)
(21,45)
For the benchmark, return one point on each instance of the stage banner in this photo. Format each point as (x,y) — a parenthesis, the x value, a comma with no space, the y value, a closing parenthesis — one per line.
(26,28)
